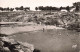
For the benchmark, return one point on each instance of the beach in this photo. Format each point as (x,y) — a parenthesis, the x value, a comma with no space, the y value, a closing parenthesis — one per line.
(17,29)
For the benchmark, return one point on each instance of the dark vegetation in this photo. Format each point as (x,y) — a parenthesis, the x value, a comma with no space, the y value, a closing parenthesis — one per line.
(50,8)
(16,8)
(76,5)
(42,8)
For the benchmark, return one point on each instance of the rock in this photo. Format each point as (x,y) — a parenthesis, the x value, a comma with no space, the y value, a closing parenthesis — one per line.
(78,30)
(2,35)
(6,49)
(11,41)
(5,39)
(74,46)
(27,47)
(18,50)
(1,45)
(10,45)
(17,46)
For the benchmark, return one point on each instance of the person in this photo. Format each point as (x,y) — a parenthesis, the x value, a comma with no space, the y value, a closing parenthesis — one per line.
(43,29)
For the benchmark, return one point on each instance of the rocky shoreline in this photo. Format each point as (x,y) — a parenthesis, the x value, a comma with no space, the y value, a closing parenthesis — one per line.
(10,45)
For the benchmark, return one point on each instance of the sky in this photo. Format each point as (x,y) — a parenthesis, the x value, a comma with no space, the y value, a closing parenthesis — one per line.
(34,3)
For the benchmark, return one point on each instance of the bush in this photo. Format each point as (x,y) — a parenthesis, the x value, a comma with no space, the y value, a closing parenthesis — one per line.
(74,26)
(52,21)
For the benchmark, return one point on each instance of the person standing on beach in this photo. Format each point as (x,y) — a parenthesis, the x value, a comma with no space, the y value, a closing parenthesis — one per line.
(43,29)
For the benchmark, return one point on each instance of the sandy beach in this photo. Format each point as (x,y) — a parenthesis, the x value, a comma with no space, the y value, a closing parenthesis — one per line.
(12,30)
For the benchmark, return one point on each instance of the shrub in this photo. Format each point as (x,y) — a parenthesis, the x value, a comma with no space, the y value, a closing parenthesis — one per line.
(74,26)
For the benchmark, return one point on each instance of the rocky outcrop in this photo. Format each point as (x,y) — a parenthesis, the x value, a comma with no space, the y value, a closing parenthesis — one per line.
(11,45)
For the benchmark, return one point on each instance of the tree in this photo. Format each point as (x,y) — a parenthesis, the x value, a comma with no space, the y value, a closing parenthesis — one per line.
(41,8)
(21,8)
(7,9)
(67,8)
(1,8)
(77,8)
(25,8)
(4,9)
(17,8)
(36,8)
(75,4)
(35,19)
(60,8)
(28,8)
(11,9)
